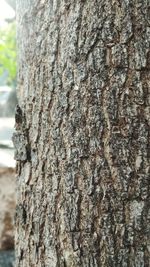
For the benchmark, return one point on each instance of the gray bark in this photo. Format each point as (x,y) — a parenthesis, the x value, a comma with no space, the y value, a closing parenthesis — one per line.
(82,176)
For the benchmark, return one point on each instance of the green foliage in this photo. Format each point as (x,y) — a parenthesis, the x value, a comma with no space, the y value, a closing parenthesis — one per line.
(8,53)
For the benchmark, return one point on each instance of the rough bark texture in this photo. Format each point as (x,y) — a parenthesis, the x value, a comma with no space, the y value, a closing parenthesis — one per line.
(83,165)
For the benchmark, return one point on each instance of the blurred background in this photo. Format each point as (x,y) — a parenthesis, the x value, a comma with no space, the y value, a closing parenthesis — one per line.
(8,101)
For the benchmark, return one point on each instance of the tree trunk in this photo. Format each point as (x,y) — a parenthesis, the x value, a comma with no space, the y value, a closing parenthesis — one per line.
(82,133)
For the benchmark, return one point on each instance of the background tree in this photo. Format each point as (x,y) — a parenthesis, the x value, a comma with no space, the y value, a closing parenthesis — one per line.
(81,142)
(8,54)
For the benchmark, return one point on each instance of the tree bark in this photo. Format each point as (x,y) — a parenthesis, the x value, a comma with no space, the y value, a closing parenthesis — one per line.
(82,140)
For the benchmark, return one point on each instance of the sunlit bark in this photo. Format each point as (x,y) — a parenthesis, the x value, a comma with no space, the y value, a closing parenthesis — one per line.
(83,89)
